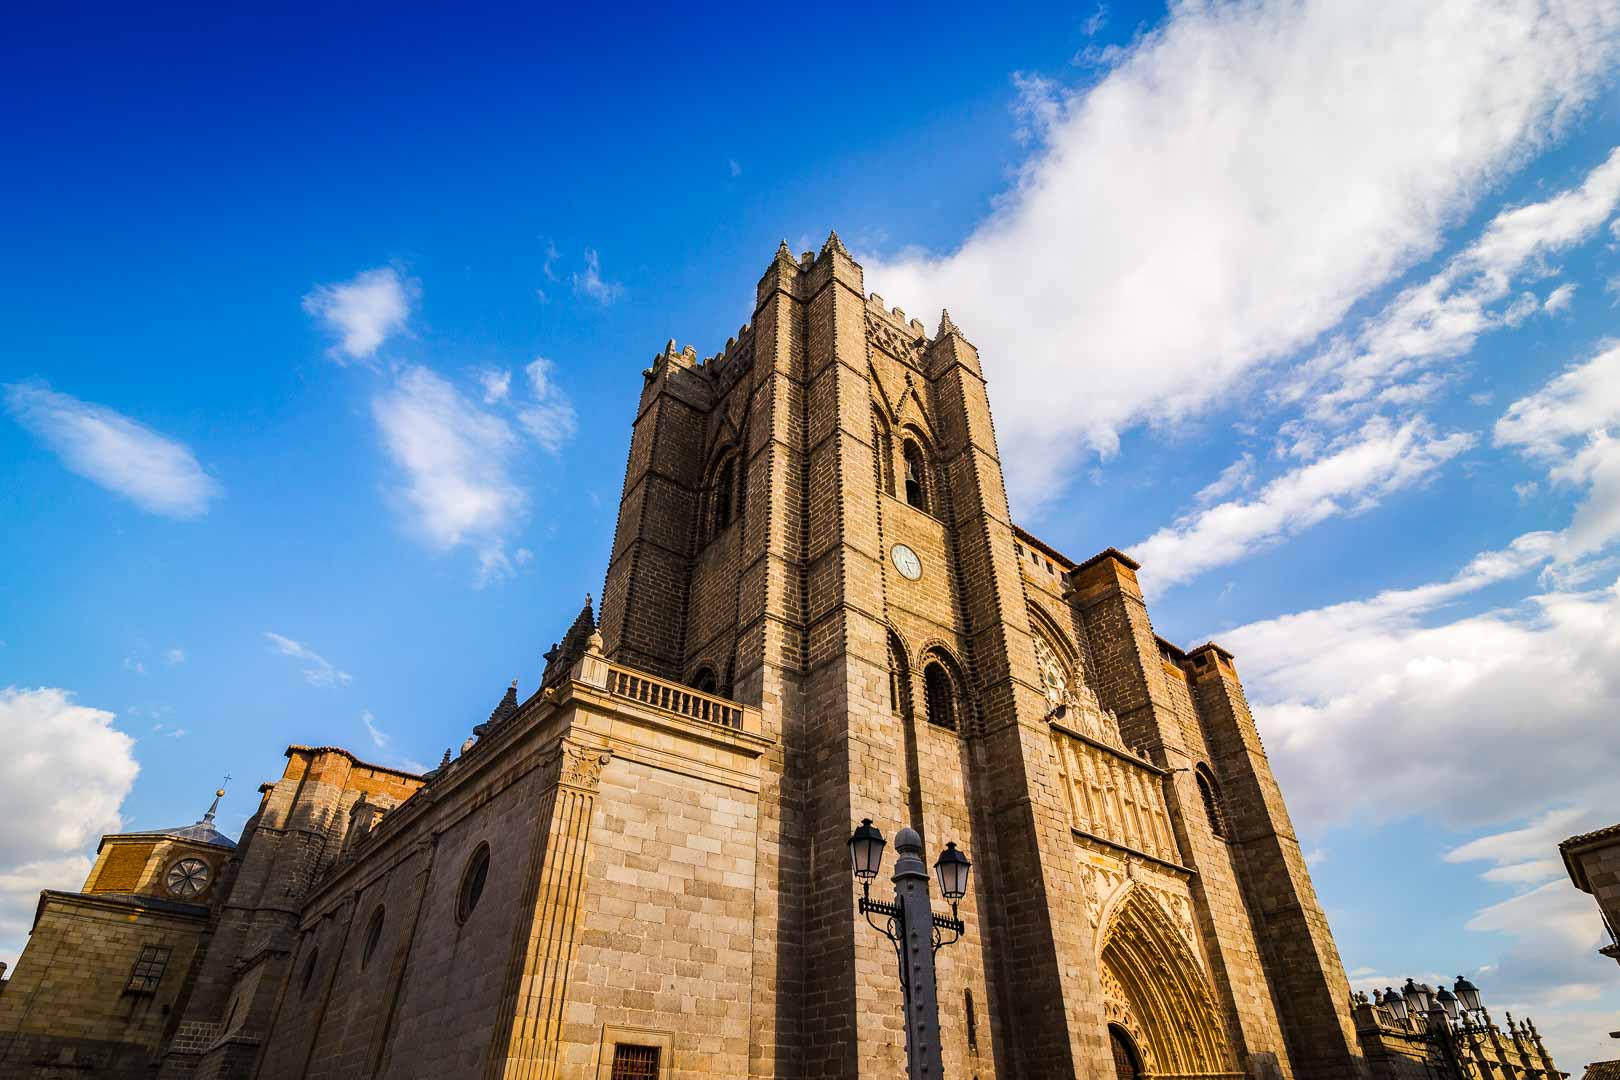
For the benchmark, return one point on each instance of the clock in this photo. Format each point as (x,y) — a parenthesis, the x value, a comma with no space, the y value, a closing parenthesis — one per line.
(906,561)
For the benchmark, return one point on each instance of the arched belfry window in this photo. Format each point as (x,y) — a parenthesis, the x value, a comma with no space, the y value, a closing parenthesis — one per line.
(704,681)
(1210,793)
(939,692)
(724,494)
(882,453)
(916,475)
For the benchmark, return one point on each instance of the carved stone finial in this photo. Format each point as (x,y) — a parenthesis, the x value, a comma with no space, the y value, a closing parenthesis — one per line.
(946,326)
(784,252)
(834,245)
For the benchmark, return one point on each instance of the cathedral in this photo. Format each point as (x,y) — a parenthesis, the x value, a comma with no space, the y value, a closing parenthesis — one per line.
(817,610)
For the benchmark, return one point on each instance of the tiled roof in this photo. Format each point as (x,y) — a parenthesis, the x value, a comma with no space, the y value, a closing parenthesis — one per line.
(1603,1070)
(1595,834)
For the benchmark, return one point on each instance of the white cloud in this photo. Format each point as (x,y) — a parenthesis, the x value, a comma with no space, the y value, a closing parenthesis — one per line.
(590,283)
(1349,478)
(379,738)
(132,664)
(318,671)
(63,778)
(497,385)
(362,312)
(459,459)
(175,655)
(549,416)
(1572,425)
(1225,192)
(1559,299)
(455,459)
(156,473)
(1443,316)
(1099,19)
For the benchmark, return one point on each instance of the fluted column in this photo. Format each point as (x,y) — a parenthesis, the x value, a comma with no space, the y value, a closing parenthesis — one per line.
(537,975)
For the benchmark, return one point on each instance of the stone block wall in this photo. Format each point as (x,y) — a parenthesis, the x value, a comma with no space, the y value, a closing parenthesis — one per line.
(69,1004)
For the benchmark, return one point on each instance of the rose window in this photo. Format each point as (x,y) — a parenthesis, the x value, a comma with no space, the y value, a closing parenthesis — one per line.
(1054,673)
(188,877)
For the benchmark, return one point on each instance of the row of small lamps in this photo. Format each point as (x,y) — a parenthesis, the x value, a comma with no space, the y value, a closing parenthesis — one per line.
(1421,999)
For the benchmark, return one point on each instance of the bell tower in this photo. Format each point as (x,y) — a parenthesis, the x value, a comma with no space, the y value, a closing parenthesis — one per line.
(815,522)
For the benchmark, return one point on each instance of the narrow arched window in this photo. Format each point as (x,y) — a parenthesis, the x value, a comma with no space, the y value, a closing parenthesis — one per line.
(1210,794)
(899,678)
(705,682)
(916,471)
(882,453)
(373,936)
(939,692)
(309,970)
(473,878)
(725,486)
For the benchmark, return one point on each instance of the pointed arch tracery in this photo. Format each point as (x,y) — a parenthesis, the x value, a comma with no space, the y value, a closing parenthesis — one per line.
(1155,989)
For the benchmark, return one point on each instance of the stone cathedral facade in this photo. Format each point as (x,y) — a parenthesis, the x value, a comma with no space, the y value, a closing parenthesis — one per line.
(817,609)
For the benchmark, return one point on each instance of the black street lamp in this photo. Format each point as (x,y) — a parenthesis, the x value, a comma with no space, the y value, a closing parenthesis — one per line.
(910,923)
(1436,1013)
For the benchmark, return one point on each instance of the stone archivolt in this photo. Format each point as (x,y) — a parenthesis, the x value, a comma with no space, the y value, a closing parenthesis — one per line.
(1154,988)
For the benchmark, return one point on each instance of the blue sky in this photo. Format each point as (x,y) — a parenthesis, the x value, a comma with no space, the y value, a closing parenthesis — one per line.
(320,340)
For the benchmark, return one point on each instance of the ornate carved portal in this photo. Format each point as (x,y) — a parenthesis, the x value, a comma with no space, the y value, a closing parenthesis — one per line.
(1156,994)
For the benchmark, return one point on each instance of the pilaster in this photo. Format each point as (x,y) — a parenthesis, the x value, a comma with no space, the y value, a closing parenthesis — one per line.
(530,1019)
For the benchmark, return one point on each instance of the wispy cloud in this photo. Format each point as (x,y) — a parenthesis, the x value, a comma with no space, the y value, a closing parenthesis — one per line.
(318,671)
(455,458)
(156,473)
(459,459)
(175,655)
(1167,236)
(362,312)
(548,415)
(591,283)
(1475,292)
(379,738)
(1351,477)
(1572,426)
(497,385)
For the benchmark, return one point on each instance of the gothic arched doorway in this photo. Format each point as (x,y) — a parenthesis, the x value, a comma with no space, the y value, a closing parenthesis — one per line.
(1127,1065)
(1155,992)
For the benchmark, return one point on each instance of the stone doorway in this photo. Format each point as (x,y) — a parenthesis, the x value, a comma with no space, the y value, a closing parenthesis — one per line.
(1127,1066)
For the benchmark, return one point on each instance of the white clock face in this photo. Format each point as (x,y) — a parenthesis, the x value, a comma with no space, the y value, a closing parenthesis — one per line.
(906,561)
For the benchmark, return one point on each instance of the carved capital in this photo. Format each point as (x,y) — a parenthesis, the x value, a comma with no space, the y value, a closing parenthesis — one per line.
(581,766)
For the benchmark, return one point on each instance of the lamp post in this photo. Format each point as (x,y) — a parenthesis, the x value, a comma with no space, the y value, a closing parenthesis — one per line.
(1433,1015)
(917,933)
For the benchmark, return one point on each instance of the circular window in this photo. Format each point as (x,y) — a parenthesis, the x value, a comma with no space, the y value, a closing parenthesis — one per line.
(1054,673)
(373,935)
(472,882)
(309,970)
(187,877)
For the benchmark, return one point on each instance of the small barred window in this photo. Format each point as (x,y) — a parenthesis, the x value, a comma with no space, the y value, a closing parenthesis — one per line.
(149,968)
(631,1062)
